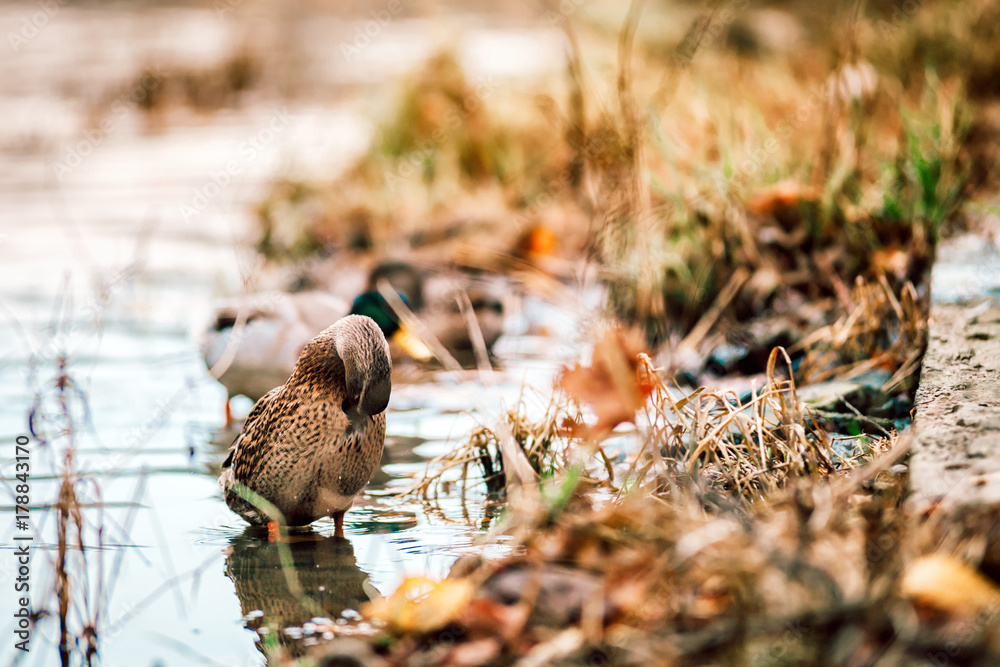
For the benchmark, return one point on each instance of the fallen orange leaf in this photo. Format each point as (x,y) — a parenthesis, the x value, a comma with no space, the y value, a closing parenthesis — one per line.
(613,385)
(783,195)
(946,585)
(893,261)
(538,240)
(421,605)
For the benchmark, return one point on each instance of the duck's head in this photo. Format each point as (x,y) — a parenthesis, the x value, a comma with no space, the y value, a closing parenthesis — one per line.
(361,346)
(372,304)
(407,283)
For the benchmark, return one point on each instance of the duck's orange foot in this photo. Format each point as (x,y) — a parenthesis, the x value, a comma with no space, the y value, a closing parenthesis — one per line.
(273,531)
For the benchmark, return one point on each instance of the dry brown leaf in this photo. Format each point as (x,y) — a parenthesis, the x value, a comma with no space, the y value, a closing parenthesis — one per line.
(538,240)
(613,385)
(485,618)
(713,598)
(893,261)
(474,653)
(783,195)
(946,585)
(421,605)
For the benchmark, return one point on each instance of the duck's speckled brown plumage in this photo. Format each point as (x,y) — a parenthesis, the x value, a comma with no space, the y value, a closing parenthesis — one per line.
(309,446)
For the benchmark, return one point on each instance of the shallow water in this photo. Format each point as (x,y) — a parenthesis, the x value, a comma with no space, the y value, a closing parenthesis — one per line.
(106,266)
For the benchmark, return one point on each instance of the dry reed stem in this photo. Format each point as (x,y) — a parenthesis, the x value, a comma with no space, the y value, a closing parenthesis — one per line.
(747,449)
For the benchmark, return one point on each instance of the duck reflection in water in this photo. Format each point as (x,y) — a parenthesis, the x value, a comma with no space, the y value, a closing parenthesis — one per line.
(323,579)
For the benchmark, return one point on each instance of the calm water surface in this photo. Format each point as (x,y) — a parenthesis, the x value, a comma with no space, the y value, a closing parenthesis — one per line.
(105,264)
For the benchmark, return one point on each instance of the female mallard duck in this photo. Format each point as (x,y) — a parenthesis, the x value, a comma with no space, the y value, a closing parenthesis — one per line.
(277,327)
(309,446)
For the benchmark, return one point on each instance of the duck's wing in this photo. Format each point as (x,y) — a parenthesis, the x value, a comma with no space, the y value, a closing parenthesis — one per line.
(251,306)
(255,360)
(259,408)
(263,353)
(317,310)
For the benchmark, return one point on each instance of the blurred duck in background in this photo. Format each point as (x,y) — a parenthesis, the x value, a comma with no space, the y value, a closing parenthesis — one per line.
(253,342)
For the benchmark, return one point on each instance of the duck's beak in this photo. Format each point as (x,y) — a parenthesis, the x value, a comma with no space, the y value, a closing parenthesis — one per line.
(357,419)
(411,344)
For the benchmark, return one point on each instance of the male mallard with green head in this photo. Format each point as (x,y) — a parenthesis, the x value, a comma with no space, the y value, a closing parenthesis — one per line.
(309,446)
(277,326)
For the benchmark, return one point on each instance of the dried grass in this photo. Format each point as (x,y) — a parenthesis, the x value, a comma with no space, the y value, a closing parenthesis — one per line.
(741,448)
(806,576)
(79,602)
(541,441)
(878,330)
